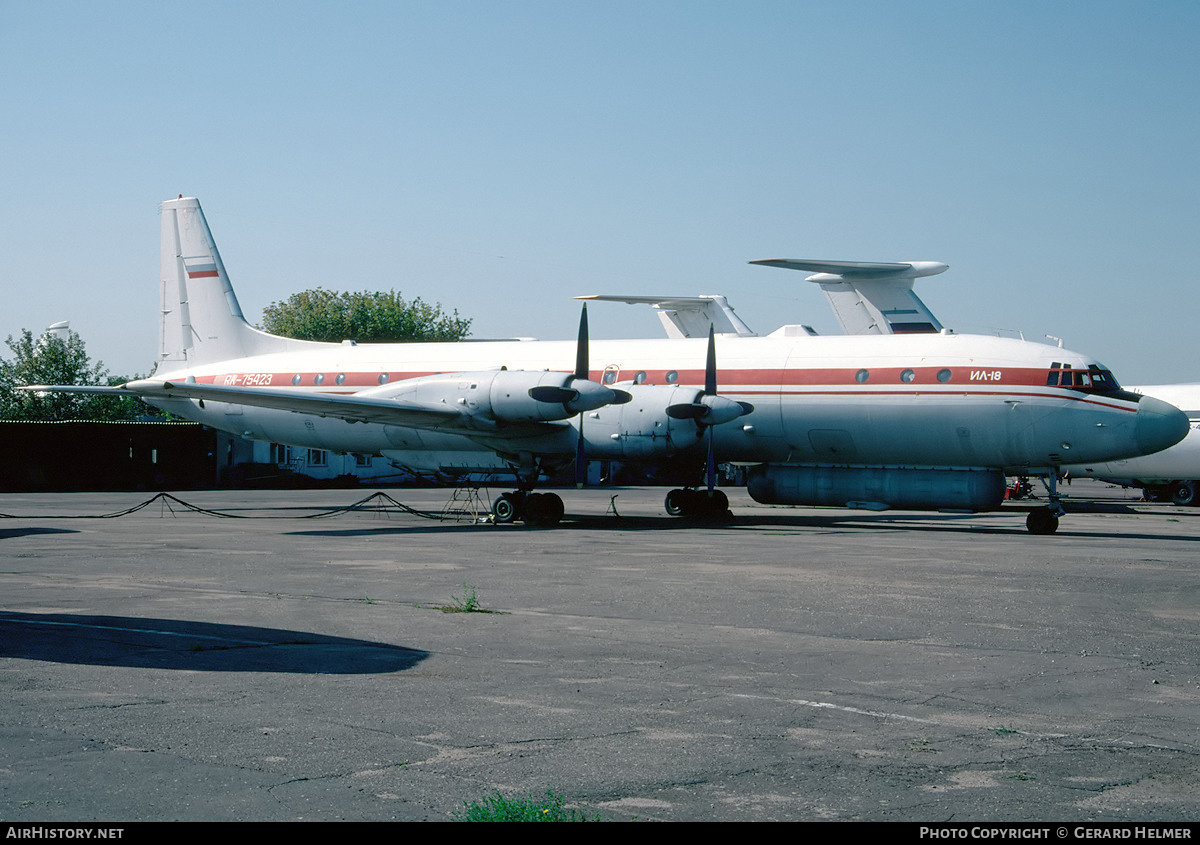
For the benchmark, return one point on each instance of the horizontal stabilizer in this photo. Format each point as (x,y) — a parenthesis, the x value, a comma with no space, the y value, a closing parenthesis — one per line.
(857,269)
(74,388)
(687,316)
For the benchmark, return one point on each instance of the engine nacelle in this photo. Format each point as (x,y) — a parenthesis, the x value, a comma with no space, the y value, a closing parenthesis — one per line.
(641,427)
(504,395)
(877,487)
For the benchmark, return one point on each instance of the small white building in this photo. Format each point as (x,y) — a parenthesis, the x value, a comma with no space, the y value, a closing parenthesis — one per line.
(323,464)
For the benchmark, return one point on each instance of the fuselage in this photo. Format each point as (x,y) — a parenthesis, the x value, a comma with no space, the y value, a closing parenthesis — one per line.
(930,400)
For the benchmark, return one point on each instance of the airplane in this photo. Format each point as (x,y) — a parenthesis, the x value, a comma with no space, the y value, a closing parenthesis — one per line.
(925,421)
(871,298)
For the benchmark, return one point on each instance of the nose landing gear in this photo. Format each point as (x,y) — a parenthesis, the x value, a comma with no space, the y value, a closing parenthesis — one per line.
(1041,521)
(1045,520)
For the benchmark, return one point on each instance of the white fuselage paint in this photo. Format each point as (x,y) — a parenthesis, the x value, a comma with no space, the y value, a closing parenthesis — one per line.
(813,403)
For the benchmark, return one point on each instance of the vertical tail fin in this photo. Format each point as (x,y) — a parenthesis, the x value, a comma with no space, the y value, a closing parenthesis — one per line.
(200,319)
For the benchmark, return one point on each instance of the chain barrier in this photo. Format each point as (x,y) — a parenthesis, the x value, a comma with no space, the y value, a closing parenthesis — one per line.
(379,502)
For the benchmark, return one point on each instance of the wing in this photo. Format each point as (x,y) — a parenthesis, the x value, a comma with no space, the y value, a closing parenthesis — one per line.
(347,407)
(496,404)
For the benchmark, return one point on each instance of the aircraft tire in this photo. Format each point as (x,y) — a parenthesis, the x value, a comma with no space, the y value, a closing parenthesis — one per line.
(554,508)
(505,508)
(676,502)
(543,509)
(1041,521)
(1183,493)
(534,512)
(715,506)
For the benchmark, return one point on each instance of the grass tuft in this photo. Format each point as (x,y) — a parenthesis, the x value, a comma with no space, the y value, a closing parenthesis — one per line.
(498,808)
(468,602)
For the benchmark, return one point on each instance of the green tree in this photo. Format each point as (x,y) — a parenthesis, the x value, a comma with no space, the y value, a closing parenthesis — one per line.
(364,316)
(52,359)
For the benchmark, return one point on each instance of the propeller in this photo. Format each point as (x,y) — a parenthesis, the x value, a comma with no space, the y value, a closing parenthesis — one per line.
(580,394)
(581,374)
(709,409)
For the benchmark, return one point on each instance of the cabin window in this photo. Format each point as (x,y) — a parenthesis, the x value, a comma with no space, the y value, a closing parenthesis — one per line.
(861,376)
(943,376)
(610,376)
(907,376)
(297,378)
(383,378)
(320,379)
(640,378)
(672,376)
(341,378)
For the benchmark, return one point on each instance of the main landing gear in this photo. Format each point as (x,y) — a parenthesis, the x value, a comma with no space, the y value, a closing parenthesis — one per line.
(531,508)
(697,504)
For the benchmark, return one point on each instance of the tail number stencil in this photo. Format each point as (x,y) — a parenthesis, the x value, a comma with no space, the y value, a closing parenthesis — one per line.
(249,379)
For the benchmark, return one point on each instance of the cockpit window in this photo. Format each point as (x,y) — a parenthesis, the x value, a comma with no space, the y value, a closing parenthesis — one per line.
(1102,379)
(1094,379)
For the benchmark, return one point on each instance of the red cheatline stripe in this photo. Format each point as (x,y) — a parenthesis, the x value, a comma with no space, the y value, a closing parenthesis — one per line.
(766,380)
(755,388)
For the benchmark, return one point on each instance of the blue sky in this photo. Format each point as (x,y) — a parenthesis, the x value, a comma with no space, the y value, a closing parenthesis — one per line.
(502,157)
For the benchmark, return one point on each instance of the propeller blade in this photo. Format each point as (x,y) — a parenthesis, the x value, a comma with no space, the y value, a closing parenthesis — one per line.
(580,459)
(710,363)
(711,466)
(581,374)
(581,346)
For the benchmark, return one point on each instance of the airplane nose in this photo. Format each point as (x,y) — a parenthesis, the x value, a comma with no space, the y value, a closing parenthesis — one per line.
(1159,425)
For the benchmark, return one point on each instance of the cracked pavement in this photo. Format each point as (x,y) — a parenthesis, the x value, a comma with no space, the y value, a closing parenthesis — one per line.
(790,664)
